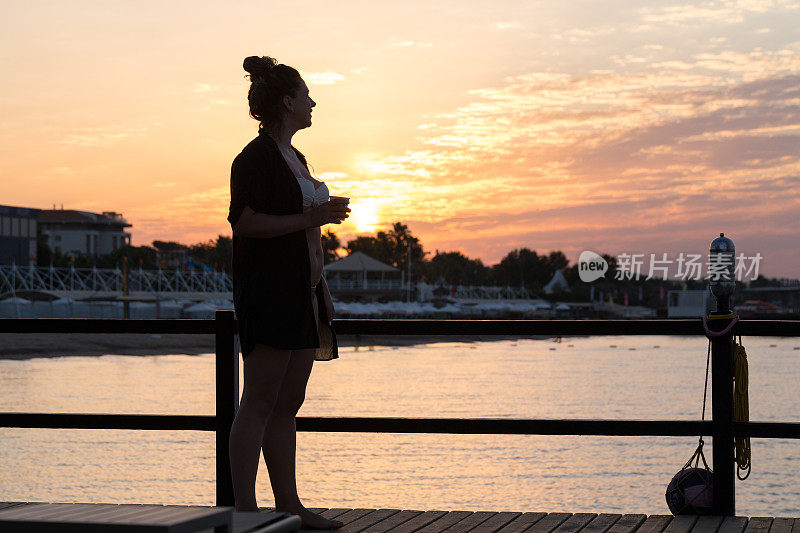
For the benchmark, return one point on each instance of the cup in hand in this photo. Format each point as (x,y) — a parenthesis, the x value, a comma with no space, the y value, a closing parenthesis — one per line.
(342,201)
(339,200)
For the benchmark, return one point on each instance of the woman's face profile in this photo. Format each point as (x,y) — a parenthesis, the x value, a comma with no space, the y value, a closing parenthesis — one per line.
(300,107)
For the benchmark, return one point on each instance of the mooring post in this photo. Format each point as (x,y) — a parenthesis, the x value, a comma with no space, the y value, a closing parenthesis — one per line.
(227,375)
(719,330)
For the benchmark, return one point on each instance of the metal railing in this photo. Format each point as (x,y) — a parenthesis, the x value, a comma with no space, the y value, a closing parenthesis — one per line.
(15,278)
(721,427)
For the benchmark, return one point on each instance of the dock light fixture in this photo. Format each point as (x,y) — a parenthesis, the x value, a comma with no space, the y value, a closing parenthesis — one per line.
(722,281)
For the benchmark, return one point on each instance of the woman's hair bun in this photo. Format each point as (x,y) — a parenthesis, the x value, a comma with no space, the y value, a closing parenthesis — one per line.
(259,66)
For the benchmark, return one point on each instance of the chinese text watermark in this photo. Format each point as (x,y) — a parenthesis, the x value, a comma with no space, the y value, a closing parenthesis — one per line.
(685,266)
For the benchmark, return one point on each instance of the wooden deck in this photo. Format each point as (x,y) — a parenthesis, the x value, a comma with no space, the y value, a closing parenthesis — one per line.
(411,521)
(408,521)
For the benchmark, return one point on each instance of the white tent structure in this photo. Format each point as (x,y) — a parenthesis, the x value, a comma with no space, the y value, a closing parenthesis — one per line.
(200,310)
(360,272)
(61,308)
(558,283)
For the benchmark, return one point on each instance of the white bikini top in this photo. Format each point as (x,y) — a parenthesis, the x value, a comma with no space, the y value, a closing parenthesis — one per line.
(313,197)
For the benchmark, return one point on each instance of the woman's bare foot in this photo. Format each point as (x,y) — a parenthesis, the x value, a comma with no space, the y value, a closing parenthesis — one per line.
(314,521)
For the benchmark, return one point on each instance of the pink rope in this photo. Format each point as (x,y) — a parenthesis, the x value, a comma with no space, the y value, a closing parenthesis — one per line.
(710,333)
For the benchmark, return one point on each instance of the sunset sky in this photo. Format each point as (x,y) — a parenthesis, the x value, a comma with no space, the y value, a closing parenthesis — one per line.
(615,126)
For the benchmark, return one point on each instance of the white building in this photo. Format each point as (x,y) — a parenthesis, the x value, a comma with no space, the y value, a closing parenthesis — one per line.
(690,304)
(81,232)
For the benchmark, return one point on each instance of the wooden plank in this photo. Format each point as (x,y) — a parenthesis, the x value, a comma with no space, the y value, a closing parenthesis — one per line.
(69,516)
(337,513)
(796,526)
(522,522)
(781,525)
(681,524)
(350,515)
(5,505)
(628,523)
(575,523)
(655,523)
(393,521)
(250,520)
(290,524)
(150,515)
(549,523)
(218,522)
(496,522)
(732,524)
(317,510)
(447,520)
(24,511)
(43,511)
(363,523)
(419,521)
(99,513)
(601,523)
(470,522)
(758,524)
(707,524)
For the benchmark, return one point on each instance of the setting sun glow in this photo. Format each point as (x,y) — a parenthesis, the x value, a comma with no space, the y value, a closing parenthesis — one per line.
(364,215)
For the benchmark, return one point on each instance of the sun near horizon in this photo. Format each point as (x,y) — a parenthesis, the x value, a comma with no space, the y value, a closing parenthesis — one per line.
(619,127)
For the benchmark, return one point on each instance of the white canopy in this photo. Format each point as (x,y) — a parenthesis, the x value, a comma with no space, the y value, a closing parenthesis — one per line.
(359,262)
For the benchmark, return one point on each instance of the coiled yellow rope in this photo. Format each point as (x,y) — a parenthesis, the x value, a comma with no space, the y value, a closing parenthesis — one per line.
(741,408)
(741,404)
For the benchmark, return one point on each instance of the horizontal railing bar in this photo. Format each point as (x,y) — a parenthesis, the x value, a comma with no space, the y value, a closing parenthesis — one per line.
(780,328)
(767,430)
(767,328)
(353,326)
(501,426)
(107,421)
(496,426)
(108,325)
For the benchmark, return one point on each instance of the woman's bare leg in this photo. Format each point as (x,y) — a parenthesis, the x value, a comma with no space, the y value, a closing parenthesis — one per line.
(280,440)
(264,368)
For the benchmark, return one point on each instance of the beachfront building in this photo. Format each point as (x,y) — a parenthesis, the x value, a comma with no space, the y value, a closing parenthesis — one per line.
(82,232)
(361,275)
(18,235)
(689,304)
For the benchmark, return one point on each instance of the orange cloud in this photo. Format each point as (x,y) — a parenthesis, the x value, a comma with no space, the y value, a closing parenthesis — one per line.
(660,160)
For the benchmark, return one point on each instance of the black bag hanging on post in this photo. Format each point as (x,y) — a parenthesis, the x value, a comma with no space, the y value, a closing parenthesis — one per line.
(691,490)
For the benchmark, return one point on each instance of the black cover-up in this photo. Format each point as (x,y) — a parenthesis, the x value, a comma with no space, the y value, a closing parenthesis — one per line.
(271,276)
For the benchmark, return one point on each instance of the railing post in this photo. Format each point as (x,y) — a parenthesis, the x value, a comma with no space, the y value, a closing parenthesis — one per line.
(722,416)
(719,330)
(227,377)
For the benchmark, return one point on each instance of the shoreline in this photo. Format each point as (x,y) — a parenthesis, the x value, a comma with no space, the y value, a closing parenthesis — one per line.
(21,346)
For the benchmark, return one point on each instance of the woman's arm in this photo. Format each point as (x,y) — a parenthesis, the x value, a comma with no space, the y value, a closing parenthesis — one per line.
(326,294)
(261,225)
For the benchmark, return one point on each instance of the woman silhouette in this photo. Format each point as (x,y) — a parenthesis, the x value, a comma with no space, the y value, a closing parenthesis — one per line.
(276,212)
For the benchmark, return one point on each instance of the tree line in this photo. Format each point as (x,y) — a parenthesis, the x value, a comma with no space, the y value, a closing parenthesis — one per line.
(397,246)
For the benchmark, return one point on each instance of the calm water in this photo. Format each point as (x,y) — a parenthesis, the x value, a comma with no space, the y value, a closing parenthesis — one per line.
(600,377)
